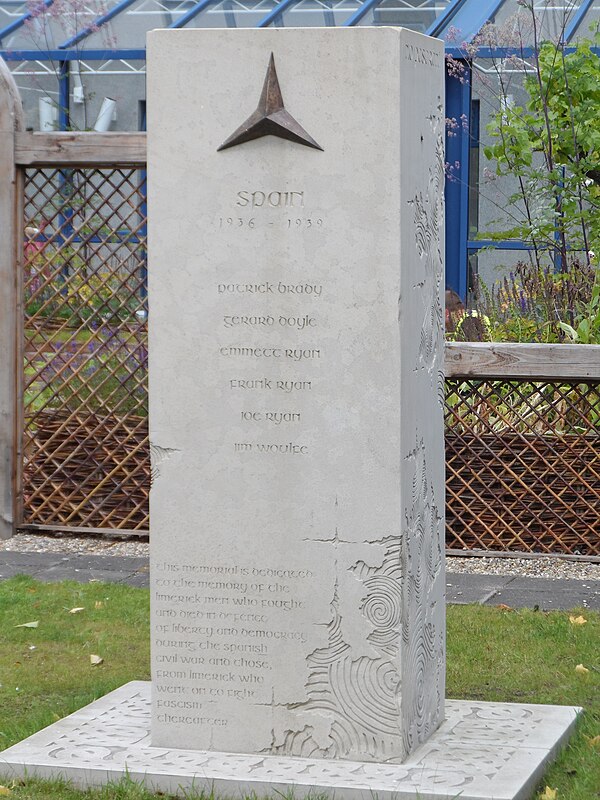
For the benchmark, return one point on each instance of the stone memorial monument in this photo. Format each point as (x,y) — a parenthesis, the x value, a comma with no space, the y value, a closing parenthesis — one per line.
(296,181)
(298,495)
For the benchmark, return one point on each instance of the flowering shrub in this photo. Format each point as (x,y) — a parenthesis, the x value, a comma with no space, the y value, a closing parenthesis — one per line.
(539,304)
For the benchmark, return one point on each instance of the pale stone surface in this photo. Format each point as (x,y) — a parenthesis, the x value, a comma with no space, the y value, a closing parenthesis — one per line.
(295,384)
(482,751)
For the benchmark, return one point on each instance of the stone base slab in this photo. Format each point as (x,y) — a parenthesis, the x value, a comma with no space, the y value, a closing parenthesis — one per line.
(482,751)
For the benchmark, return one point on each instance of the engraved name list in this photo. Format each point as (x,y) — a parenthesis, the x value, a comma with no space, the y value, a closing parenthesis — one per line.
(218,625)
(292,308)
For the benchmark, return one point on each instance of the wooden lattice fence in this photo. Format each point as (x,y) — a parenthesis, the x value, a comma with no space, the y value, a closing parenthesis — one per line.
(85,398)
(523,447)
(523,465)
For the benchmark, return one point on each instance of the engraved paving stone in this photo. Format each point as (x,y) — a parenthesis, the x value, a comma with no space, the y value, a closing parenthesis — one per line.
(102,740)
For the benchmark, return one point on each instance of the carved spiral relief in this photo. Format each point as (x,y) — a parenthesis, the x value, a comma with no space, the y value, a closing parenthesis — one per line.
(422,608)
(365,691)
(357,696)
(382,606)
(428,216)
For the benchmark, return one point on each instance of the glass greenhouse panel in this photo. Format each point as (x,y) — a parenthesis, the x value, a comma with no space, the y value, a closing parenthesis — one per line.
(552,21)
(48,24)
(128,28)
(590,22)
(232,14)
(318,13)
(37,82)
(417,15)
(10,11)
(153,14)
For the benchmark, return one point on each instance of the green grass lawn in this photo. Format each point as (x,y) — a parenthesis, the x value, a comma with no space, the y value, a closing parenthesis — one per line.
(493,654)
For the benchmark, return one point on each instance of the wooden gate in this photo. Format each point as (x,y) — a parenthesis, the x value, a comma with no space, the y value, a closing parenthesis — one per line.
(74,431)
(84,395)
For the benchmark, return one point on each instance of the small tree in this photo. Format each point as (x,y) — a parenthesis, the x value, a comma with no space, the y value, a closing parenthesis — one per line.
(50,25)
(548,148)
(560,189)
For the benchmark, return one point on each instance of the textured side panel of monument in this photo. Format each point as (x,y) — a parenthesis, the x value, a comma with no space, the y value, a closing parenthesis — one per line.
(421,321)
(296,199)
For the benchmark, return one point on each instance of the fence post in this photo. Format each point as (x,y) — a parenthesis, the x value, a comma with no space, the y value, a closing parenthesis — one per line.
(11,119)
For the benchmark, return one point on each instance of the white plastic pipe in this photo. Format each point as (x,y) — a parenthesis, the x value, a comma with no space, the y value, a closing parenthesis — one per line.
(48,113)
(78,91)
(105,115)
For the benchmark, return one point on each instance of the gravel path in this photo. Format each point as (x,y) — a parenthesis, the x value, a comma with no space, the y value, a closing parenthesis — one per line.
(539,567)
(100,546)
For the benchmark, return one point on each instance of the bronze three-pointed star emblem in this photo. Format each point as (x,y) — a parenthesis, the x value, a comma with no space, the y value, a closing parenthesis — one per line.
(270,118)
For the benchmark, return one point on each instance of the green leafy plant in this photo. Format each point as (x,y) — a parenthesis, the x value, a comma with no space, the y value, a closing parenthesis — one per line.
(586,329)
(547,146)
(551,144)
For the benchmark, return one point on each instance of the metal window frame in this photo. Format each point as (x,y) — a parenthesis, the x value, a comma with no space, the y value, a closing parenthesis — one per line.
(458,106)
